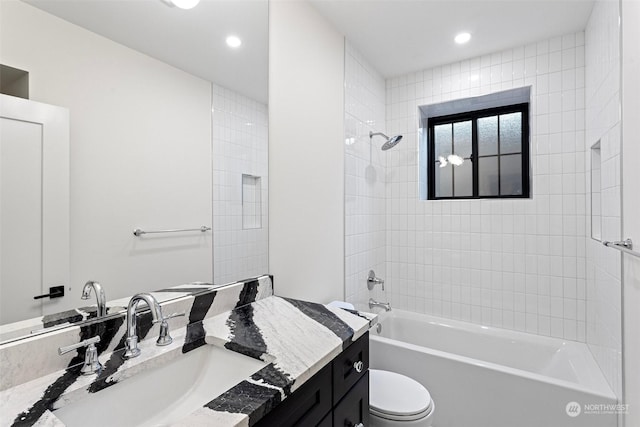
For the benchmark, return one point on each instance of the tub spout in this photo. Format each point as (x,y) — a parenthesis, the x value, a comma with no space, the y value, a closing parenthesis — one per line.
(374,303)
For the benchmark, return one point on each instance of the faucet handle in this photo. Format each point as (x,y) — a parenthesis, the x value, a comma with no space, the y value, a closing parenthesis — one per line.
(372,280)
(85,343)
(171,316)
(165,338)
(91,363)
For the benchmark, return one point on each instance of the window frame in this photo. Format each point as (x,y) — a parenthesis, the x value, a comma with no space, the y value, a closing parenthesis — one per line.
(473,116)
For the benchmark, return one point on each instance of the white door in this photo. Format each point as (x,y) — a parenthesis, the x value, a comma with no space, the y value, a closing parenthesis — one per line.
(34,207)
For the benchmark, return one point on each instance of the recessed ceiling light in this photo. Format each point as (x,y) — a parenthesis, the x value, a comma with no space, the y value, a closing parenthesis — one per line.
(182,4)
(462,38)
(233,41)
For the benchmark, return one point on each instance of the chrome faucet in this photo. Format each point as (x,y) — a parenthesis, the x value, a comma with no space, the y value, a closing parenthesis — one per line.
(131,343)
(374,303)
(100,297)
(91,363)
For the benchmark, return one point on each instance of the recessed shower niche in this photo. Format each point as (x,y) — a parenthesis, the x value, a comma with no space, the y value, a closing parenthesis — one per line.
(251,202)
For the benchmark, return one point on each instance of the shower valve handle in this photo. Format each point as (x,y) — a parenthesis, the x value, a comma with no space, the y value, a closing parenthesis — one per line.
(372,280)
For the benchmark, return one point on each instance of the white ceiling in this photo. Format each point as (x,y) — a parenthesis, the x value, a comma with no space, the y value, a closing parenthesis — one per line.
(402,36)
(396,36)
(192,40)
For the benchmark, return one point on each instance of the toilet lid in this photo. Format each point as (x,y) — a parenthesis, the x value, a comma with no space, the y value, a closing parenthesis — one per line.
(394,395)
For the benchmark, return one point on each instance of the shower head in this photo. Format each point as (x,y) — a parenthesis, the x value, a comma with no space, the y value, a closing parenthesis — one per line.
(389,143)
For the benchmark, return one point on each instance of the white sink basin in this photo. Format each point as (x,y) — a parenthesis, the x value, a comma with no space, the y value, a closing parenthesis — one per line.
(163,394)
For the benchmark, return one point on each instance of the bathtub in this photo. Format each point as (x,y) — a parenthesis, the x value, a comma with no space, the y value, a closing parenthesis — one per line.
(481,376)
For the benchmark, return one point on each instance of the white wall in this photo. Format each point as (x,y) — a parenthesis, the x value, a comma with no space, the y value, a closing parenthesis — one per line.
(240,146)
(140,152)
(516,264)
(365,206)
(604,315)
(630,12)
(306,156)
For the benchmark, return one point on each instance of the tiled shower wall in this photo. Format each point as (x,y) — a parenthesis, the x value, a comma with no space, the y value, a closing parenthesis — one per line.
(365,239)
(603,315)
(239,147)
(515,264)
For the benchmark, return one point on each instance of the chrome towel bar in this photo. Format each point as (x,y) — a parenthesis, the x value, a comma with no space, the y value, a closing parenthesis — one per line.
(139,232)
(625,246)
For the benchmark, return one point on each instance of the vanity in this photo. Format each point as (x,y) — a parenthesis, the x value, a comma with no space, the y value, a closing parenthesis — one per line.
(338,395)
(240,356)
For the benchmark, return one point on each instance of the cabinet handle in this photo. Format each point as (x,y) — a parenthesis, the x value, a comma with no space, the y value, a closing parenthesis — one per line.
(358,366)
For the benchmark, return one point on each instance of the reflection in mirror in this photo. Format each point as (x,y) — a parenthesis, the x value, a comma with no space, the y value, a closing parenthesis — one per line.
(164,118)
(34,207)
(240,186)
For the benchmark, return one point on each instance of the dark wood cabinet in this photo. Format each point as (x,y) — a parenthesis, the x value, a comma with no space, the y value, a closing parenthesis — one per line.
(327,421)
(307,406)
(337,396)
(353,409)
(349,366)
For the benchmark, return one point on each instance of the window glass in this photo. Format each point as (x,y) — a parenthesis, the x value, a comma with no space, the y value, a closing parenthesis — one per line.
(510,133)
(463,179)
(462,139)
(442,134)
(488,176)
(511,175)
(444,183)
(488,136)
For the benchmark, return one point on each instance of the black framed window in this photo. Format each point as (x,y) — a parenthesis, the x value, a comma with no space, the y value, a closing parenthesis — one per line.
(479,154)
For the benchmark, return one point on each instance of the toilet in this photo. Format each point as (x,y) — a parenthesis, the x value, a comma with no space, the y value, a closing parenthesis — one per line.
(396,400)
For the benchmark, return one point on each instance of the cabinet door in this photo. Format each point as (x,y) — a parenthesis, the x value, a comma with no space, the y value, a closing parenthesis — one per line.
(353,409)
(350,366)
(306,407)
(326,421)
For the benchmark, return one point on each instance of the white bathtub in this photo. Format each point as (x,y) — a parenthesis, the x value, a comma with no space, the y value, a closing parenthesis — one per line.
(481,376)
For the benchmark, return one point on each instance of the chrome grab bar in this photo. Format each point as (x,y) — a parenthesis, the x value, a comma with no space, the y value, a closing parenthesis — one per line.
(625,246)
(140,232)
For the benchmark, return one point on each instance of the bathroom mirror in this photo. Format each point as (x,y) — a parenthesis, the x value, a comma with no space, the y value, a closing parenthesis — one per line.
(166,114)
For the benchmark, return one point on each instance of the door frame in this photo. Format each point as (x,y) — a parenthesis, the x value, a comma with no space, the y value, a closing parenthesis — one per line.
(55,188)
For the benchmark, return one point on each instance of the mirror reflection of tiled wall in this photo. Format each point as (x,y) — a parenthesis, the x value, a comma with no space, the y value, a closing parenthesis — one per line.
(240,186)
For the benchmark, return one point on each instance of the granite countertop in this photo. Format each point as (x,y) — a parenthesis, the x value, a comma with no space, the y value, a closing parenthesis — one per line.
(295,339)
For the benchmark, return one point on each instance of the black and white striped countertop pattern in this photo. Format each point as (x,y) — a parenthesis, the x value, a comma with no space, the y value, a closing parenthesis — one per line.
(295,338)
